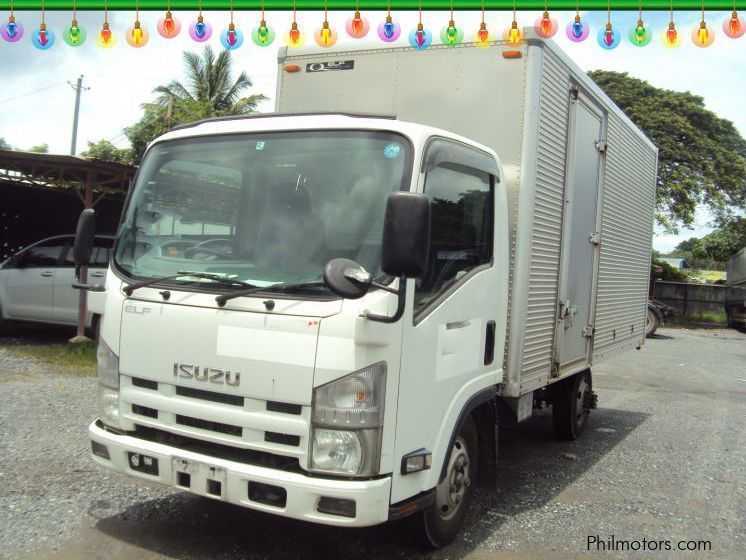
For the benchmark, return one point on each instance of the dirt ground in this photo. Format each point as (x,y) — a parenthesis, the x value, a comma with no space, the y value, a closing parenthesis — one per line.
(663,459)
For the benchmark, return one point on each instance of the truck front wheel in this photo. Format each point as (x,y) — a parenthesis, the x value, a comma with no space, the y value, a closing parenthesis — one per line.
(571,404)
(439,524)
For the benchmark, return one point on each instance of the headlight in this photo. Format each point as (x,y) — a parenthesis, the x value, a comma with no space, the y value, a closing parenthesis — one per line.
(108,366)
(108,406)
(336,451)
(347,422)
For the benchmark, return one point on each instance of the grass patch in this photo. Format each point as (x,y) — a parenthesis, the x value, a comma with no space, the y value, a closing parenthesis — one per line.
(711,317)
(75,358)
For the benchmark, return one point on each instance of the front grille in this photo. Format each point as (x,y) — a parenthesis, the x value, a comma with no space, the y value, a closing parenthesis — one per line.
(220,451)
(284,439)
(209,396)
(209,425)
(285,408)
(145,383)
(144,411)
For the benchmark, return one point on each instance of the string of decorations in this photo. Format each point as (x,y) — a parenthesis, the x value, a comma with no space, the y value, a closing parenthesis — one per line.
(483,35)
(388,30)
(106,39)
(732,26)
(12,31)
(168,26)
(546,26)
(639,35)
(358,26)
(137,36)
(262,34)
(577,31)
(43,38)
(513,34)
(420,38)
(608,37)
(671,36)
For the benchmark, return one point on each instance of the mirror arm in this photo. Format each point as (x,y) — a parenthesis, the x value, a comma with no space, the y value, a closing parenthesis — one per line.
(401,300)
(385,288)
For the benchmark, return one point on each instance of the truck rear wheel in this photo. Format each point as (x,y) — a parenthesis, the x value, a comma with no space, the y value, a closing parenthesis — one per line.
(439,524)
(651,323)
(571,405)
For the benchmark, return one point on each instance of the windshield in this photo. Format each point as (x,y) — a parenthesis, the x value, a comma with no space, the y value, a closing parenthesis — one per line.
(261,208)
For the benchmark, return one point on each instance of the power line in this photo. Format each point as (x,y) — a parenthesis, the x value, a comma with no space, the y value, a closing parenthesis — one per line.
(31,93)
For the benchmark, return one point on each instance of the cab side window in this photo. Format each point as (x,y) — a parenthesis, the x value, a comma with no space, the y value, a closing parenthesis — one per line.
(461,232)
(44,255)
(99,255)
(102,252)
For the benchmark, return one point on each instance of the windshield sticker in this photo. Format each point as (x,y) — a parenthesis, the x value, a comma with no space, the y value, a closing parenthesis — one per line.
(260,145)
(392,151)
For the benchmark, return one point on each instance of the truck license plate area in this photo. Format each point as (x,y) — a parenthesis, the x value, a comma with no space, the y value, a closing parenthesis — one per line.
(199,477)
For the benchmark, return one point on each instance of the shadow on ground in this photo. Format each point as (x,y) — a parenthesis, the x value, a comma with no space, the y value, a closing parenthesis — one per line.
(658,336)
(533,468)
(23,333)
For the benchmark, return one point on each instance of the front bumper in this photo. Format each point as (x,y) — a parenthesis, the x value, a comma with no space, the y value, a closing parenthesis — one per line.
(371,497)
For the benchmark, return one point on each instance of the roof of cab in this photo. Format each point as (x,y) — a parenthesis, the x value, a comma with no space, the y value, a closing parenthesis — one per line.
(268,122)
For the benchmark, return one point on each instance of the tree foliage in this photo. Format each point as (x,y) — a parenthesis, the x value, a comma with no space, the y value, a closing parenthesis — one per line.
(210,91)
(701,158)
(4,145)
(209,82)
(106,151)
(714,250)
(39,149)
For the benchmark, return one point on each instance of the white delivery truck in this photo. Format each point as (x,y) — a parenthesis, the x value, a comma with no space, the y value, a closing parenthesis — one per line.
(324,314)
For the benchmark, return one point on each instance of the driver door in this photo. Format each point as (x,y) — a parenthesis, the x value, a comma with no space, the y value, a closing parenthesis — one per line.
(28,282)
(450,346)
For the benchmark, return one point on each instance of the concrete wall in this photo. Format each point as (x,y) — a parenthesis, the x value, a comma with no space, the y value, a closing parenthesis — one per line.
(694,299)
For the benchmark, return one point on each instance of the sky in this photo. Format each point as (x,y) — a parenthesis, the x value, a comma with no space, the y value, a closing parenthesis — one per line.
(36,100)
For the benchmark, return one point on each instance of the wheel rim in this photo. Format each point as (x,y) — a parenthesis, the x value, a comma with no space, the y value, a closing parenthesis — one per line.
(581,410)
(451,492)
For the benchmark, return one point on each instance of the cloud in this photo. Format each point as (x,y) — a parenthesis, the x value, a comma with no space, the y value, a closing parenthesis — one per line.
(40,109)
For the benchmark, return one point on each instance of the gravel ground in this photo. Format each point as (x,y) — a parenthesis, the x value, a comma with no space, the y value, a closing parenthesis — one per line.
(664,457)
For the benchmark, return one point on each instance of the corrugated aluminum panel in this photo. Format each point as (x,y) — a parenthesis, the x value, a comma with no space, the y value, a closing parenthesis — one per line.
(546,236)
(626,237)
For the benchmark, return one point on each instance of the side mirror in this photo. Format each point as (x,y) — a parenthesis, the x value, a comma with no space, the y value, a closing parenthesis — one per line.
(347,279)
(84,237)
(406,235)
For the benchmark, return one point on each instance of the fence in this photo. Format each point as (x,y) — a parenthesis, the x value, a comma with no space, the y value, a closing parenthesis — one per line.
(696,299)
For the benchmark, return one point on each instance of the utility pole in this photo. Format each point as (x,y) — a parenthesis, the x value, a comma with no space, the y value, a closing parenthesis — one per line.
(78,89)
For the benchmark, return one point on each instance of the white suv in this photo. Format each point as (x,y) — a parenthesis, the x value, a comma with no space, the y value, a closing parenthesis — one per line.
(36,282)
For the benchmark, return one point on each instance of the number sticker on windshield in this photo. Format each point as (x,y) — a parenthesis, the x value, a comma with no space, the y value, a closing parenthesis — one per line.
(260,145)
(392,150)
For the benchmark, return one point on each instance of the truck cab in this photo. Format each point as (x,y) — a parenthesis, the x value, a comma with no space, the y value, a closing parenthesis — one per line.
(229,363)
(325,315)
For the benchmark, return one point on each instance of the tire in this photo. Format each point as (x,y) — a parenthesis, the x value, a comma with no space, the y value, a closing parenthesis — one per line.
(95,329)
(571,405)
(440,524)
(651,323)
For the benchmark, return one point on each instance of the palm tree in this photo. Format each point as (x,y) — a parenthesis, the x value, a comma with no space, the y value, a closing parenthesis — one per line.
(209,84)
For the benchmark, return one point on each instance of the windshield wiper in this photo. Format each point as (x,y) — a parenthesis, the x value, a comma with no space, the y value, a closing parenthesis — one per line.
(282,287)
(204,275)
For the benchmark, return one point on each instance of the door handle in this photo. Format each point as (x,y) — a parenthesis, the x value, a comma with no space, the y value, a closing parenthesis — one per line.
(97,274)
(457,325)
(489,343)
(46,274)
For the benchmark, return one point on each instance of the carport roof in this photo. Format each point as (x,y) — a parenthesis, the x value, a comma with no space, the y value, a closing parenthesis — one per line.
(62,171)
